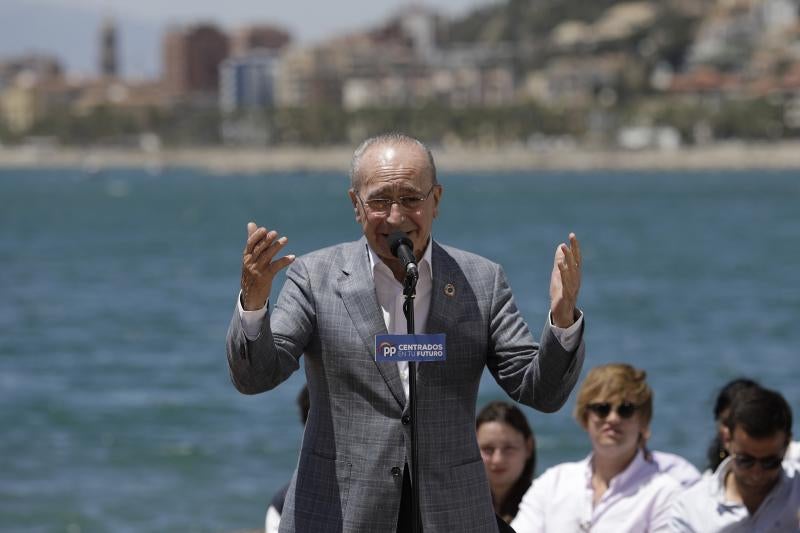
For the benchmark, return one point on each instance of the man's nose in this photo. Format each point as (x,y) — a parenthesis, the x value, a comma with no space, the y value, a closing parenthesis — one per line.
(396,215)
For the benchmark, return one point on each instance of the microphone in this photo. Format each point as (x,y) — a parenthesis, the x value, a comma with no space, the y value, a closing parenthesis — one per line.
(403,249)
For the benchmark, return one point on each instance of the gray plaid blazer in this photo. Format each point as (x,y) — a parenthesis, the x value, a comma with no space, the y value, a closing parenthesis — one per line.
(355,441)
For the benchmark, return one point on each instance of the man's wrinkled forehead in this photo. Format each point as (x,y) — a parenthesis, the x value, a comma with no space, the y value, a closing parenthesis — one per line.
(383,161)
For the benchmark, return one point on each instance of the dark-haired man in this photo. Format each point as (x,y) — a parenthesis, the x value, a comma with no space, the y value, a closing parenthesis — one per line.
(753,490)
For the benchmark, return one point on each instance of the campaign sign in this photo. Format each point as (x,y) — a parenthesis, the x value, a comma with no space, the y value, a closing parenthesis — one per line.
(419,348)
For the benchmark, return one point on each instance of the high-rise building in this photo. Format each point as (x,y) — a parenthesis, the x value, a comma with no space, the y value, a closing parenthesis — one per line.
(248,82)
(192,57)
(108,49)
(259,37)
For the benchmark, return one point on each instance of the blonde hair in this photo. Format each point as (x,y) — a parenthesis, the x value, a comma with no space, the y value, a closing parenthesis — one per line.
(616,382)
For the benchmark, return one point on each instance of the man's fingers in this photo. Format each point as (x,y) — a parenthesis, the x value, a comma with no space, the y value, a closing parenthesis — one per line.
(281,263)
(564,256)
(253,238)
(259,240)
(569,258)
(264,245)
(576,249)
(268,249)
(251,229)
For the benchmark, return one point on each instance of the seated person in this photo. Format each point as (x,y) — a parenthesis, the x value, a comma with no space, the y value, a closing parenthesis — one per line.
(616,489)
(753,489)
(727,394)
(508,450)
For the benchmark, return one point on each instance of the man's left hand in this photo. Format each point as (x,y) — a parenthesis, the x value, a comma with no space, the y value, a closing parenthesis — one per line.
(565,282)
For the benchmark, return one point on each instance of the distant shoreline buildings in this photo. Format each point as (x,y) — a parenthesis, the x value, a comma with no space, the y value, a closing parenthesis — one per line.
(740,49)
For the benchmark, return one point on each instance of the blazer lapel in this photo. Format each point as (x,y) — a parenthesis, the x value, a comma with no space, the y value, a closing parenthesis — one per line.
(448,281)
(358,294)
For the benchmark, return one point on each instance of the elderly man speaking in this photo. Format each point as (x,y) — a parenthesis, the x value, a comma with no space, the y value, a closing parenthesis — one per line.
(354,471)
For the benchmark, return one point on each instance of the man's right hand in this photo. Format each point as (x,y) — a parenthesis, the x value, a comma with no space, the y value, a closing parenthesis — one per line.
(258,267)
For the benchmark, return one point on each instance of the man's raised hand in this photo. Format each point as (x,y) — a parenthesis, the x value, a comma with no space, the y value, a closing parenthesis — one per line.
(565,283)
(259,265)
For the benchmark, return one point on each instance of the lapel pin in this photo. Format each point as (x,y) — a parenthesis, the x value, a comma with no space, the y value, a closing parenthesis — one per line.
(449,290)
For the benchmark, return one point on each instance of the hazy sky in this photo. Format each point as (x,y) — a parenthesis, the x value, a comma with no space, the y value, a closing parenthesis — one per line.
(308,20)
(68,29)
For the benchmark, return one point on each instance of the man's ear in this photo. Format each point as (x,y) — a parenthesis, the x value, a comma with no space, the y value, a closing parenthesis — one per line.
(356,205)
(437,196)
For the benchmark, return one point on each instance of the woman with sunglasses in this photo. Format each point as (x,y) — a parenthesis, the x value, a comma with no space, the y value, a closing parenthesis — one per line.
(616,489)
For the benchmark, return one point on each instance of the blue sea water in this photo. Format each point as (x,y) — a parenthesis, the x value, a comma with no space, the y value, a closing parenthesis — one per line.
(117,412)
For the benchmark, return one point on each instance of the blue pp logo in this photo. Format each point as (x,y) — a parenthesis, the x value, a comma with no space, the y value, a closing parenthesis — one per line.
(420,348)
(387,349)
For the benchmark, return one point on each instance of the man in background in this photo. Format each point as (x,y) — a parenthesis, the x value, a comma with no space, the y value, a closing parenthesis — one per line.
(753,489)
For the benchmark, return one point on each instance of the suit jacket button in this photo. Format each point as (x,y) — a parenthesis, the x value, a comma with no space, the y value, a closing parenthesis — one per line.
(396,471)
(406,420)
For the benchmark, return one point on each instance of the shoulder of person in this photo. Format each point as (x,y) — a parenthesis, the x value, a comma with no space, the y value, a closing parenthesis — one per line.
(465,258)
(792,471)
(676,466)
(667,459)
(666,484)
(336,254)
(698,494)
(563,472)
(793,453)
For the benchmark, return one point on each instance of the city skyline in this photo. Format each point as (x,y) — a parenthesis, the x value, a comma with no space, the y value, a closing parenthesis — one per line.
(69,29)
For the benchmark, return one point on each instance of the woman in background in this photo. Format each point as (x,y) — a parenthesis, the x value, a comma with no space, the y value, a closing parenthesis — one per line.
(617,488)
(508,450)
(727,395)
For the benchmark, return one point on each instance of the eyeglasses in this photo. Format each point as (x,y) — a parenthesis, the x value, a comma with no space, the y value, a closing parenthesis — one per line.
(603,409)
(383,206)
(746,461)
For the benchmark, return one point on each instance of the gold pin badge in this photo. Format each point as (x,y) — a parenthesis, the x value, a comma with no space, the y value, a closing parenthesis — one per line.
(449,290)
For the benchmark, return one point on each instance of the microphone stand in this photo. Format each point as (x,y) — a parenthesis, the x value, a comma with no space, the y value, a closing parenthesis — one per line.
(409,291)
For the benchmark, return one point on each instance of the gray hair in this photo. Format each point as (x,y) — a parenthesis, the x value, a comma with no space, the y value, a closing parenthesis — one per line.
(386,138)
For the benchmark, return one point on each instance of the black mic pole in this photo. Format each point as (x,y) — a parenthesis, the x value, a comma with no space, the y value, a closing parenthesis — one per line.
(409,291)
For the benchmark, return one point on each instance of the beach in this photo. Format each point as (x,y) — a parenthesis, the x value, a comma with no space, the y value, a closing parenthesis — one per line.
(719,156)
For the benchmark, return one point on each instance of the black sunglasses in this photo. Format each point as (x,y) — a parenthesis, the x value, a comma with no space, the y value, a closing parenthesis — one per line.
(747,462)
(603,409)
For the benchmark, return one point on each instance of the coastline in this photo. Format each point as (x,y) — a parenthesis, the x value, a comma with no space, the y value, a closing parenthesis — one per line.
(222,160)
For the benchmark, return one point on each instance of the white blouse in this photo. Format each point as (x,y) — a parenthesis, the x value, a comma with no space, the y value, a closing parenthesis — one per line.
(560,500)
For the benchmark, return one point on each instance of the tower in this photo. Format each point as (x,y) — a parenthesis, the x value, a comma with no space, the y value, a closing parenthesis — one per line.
(108,49)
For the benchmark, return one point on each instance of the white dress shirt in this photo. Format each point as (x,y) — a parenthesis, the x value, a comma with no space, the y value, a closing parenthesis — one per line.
(560,500)
(793,453)
(676,467)
(273,520)
(705,509)
(390,299)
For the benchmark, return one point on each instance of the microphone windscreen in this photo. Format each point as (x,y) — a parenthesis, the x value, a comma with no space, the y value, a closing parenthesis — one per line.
(396,239)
